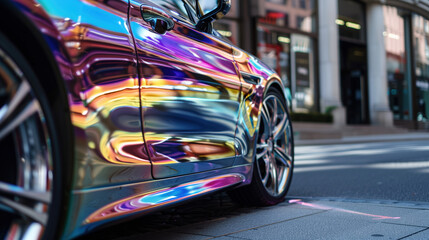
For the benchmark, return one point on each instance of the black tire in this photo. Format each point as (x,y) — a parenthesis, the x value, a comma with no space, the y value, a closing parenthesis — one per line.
(258,192)
(40,134)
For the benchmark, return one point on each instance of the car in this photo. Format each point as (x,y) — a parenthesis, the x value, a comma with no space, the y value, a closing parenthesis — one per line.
(111,109)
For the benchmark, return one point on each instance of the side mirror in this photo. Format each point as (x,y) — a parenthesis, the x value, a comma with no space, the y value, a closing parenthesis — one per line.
(209,11)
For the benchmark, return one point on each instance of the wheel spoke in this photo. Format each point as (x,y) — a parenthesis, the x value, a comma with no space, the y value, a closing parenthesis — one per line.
(267,169)
(21,106)
(281,127)
(274,178)
(261,145)
(275,113)
(261,154)
(7,126)
(266,119)
(264,151)
(282,156)
(15,102)
(21,209)
(6,188)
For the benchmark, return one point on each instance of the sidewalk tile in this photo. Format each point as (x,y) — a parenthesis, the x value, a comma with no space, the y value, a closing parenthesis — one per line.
(375,232)
(418,236)
(246,221)
(414,217)
(370,210)
(312,227)
(167,236)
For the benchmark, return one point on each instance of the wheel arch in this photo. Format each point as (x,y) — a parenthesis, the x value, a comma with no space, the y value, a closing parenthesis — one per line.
(275,83)
(36,47)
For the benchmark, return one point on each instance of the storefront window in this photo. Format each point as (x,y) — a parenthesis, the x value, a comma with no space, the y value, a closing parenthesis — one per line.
(421,54)
(294,14)
(291,55)
(285,43)
(276,18)
(274,50)
(398,76)
(302,72)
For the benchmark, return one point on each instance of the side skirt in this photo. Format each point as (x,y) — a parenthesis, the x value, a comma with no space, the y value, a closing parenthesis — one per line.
(100,206)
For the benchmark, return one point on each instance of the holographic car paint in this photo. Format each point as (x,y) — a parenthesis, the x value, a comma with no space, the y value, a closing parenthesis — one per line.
(93,200)
(148,200)
(190,96)
(150,112)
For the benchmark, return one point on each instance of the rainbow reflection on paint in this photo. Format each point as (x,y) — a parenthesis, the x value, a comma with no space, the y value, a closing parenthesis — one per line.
(151,114)
(146,201)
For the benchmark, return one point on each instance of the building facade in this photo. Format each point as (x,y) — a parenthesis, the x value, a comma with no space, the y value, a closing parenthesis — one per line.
(365,61)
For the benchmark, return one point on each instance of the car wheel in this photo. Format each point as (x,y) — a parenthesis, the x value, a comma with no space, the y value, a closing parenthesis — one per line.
(28,144)
(273,163)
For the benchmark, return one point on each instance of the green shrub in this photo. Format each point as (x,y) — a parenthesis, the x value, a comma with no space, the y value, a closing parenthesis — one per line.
(330,109)
(312,117)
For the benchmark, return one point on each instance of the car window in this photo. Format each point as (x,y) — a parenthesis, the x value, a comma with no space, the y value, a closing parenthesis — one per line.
(191,4)
(181,9)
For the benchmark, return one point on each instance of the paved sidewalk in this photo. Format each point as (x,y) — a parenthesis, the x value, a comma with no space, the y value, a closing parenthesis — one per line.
(321,218)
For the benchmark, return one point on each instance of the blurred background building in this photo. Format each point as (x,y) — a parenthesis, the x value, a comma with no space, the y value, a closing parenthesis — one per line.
(366,62)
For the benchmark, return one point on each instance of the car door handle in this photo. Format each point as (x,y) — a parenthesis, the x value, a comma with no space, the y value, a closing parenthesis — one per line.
(158,19)
(252,79)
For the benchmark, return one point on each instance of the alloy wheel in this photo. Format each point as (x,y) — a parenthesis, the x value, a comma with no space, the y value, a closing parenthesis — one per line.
(26,174)
(274,146)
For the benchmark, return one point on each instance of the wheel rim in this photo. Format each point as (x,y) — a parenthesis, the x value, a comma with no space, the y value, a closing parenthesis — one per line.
(274,147)
(26,176)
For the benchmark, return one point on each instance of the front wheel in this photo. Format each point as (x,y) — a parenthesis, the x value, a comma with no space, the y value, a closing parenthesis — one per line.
(273,162)
(29,185)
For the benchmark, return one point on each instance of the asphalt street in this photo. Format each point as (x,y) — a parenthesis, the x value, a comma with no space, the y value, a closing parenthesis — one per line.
(351,176)
(391,171)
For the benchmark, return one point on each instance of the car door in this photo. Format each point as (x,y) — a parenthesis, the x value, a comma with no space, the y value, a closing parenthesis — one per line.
(190,92)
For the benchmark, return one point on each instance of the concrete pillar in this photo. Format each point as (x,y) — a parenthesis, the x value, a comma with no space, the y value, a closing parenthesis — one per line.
(379,110)
(330,93)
